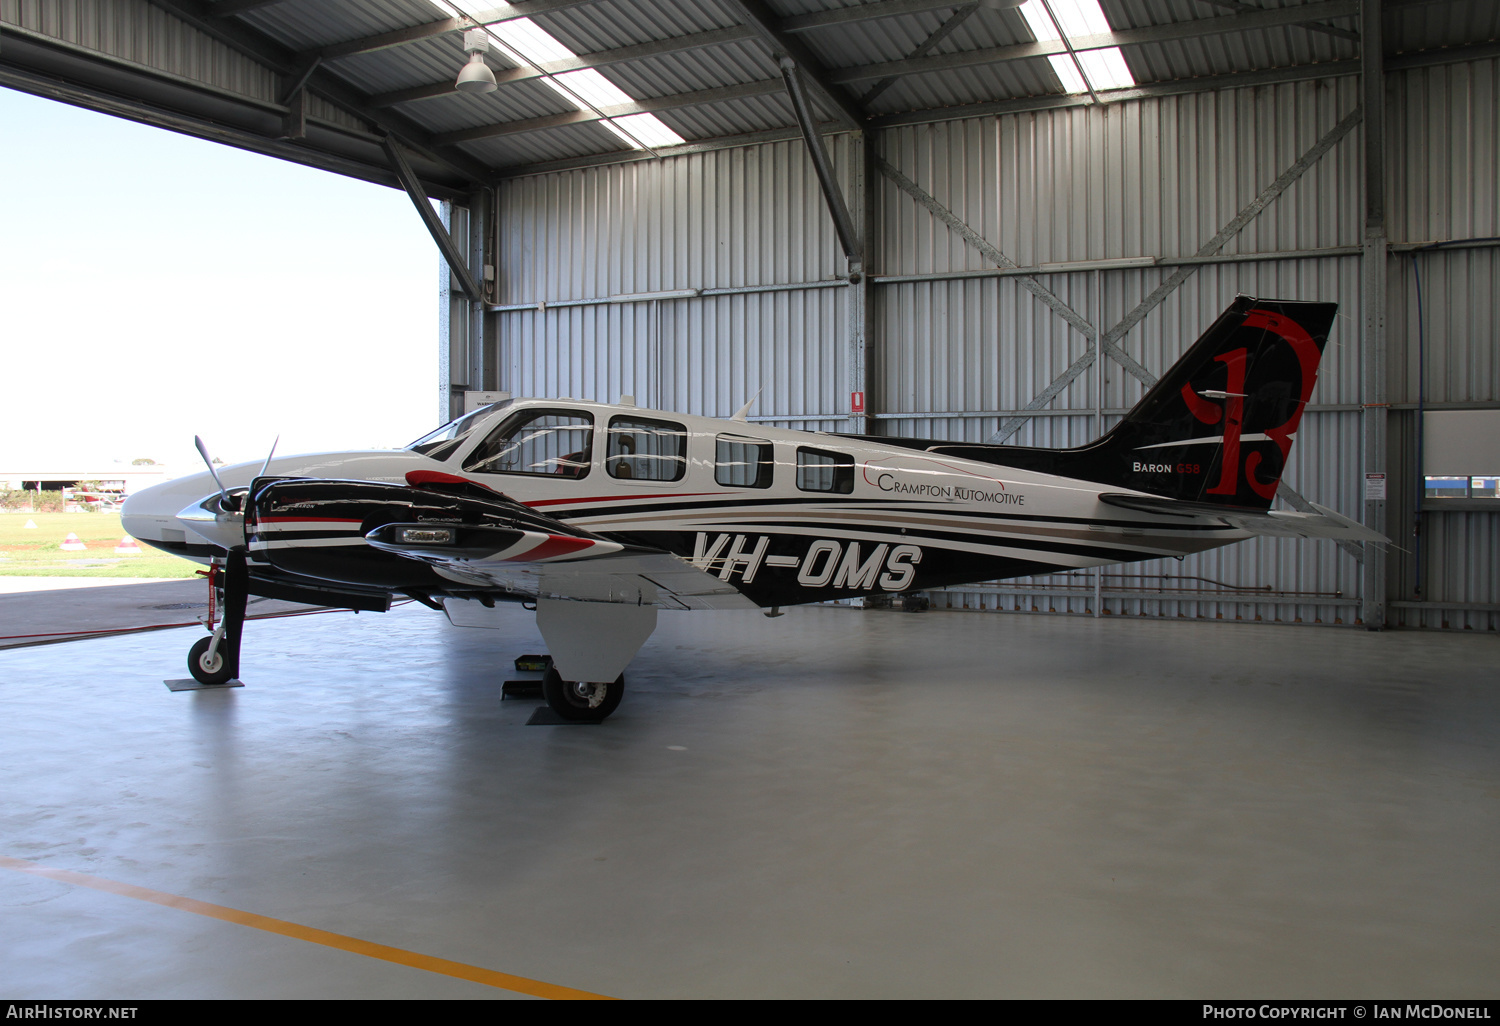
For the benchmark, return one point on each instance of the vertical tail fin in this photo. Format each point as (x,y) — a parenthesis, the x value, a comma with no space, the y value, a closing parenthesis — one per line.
(1218,426)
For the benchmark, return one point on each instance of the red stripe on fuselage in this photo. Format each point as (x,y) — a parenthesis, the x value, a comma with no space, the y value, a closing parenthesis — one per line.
(555,545)
(417,478)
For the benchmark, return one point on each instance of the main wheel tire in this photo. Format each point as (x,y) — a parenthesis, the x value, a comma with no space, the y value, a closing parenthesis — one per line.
(204,669)
(579,701)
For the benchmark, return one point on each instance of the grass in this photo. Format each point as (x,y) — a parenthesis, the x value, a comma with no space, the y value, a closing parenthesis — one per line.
(36,552)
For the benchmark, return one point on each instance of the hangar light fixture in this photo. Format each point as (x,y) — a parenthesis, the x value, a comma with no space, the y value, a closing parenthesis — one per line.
(1105,68)
(585,89)
(476,76)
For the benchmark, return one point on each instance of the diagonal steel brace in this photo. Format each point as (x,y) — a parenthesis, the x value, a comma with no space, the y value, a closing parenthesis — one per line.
(1110,342)
(984,246)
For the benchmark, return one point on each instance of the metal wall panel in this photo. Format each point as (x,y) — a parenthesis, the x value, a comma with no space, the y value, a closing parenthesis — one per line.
(725,219)
(1154,178)
(1445,185)
(1150,178)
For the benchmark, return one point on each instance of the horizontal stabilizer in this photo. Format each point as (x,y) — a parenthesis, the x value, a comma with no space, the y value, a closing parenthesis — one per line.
(1325,523)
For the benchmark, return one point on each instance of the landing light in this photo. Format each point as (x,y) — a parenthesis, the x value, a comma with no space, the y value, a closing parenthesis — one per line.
(425,535)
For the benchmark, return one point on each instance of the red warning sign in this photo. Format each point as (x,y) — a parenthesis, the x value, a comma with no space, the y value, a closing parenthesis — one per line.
(856,402)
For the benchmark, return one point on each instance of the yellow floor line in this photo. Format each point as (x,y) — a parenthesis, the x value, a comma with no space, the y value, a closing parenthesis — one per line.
(458,970)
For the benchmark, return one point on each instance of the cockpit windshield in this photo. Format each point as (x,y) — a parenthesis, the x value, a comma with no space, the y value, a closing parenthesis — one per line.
(446,440)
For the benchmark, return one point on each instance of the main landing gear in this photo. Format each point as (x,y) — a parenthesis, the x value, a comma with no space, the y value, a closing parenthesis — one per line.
(581,701)
(216,658)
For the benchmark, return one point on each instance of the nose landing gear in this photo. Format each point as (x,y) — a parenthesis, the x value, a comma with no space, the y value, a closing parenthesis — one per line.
(216,658)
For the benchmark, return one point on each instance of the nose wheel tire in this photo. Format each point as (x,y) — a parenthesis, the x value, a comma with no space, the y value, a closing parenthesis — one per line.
(581,701)
(207,670)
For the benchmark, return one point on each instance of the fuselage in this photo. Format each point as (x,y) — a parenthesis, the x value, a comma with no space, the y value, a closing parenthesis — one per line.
(784,516)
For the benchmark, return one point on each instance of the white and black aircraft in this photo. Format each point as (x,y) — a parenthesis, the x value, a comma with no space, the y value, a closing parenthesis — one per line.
(603,514)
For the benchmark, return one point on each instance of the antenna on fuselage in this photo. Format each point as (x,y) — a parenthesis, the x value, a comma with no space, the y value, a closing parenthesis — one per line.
(745,410)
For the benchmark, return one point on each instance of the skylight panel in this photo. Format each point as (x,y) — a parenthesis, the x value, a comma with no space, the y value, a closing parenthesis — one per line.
(481,11)
(1077,17)
(1105,68)
(531,41)
(1067,72)
(649,129)
(593,88)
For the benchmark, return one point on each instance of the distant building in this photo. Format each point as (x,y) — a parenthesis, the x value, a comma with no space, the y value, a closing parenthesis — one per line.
(115,477)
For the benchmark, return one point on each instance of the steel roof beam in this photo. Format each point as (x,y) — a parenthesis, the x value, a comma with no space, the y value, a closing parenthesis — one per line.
(866,12)
(722,142)
(46,67)
(598,59)
(284,61)
(415,33)
(1182,86)
(386,40)
(760,18)
(1125,37)
(1312,26)
(694,99)
(224,8)
(1022,104)
(943,31)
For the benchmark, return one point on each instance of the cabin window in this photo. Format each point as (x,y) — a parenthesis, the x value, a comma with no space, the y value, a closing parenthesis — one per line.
(820,471)
(544,442)
(646,450)
(742,462)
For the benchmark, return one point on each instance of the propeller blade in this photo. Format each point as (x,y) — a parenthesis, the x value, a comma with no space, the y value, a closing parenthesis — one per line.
(267,465)
(203,451)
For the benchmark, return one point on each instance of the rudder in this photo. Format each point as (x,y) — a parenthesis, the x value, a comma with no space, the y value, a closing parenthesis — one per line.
(1219,425)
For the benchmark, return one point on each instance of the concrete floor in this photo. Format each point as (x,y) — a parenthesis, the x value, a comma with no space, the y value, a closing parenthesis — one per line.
(39,610)
(835,803)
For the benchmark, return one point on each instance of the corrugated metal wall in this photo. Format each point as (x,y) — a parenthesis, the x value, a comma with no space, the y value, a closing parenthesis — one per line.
(1151,178)
(727,219)
(1156,178)
(1445,184)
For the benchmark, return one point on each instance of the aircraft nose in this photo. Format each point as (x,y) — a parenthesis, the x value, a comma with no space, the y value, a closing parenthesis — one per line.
(149,515)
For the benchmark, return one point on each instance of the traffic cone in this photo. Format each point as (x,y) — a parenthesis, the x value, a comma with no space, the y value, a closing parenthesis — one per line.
(127,547)
(72,544)
(30,526)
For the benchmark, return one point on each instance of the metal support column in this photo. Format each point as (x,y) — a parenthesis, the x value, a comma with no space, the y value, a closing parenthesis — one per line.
(1372,301)
(1099,382)
(461,355)
(445,332)
(860,293)
(483,325)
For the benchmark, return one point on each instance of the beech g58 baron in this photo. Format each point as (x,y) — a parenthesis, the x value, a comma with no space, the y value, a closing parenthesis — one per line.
(603,514)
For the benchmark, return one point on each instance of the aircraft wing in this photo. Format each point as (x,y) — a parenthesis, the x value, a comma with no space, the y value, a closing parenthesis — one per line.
(357,531)
(1325,523)
(527,563)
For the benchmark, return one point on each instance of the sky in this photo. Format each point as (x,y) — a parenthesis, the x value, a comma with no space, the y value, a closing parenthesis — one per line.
(154,286)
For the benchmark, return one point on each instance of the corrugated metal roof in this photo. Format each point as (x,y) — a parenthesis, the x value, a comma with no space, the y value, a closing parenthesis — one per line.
(964,69)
